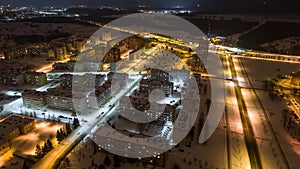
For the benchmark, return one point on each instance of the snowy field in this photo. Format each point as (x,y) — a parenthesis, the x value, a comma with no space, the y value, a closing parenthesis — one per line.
(259,70)
(263,70)
(27,28)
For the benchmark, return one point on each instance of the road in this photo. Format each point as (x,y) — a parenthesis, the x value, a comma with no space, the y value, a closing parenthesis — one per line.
(54,157)
(237,154)
(252,147)
(263,128)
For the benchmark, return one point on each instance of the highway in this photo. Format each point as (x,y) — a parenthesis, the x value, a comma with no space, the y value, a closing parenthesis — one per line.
(254,104)
(250,140)
(237,154)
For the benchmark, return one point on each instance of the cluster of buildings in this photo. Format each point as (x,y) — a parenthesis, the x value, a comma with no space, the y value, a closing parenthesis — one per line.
(152,138)
(28,51)
(137,109)
(15,74)
(100,49)
(62,48)
(63,99)
(92,90)
(196,64)
(82,82)
(57,98)
(139,139)
(12,127)
(165,81)
(100,95)
(10,13)
(68,66)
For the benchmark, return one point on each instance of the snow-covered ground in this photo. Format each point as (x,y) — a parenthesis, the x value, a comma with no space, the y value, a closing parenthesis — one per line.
(26,144)
(27,28)
(257,72)
(212,154)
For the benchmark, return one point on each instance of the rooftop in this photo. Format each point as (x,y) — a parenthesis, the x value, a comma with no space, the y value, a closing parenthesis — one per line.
(11,123)
(28,92)
(155,82)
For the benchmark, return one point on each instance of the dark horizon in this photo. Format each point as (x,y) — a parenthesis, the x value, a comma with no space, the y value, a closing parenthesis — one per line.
(233,6)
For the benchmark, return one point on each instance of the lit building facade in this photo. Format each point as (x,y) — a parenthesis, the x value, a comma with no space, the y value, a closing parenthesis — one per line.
(14,126)
(33,98)
(97,98)
(35,78)
(12,78)
(4,147)
(147,85)
(179,76)
(63,99)
(159,75)
(86,81)
(118,81)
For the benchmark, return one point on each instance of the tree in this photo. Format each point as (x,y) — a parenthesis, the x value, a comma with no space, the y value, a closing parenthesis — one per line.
(63,134)
(38,151)
(117,161)
(101,166)
(67,162)
(107,161)
(68,129)
(131,160)
(176,166)
(49,144)
(59,136)
(45,148)
(75,123)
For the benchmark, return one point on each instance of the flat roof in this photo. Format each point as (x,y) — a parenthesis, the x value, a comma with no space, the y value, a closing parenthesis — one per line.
(157,82)
(12,123)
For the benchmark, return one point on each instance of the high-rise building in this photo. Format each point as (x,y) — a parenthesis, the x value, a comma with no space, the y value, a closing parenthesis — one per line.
(33,98)
(119,81)
(143,108)
(101,94)
(82,82)
(63,99)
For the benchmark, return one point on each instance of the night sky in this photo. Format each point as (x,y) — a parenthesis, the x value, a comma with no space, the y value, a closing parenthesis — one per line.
(189,4)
